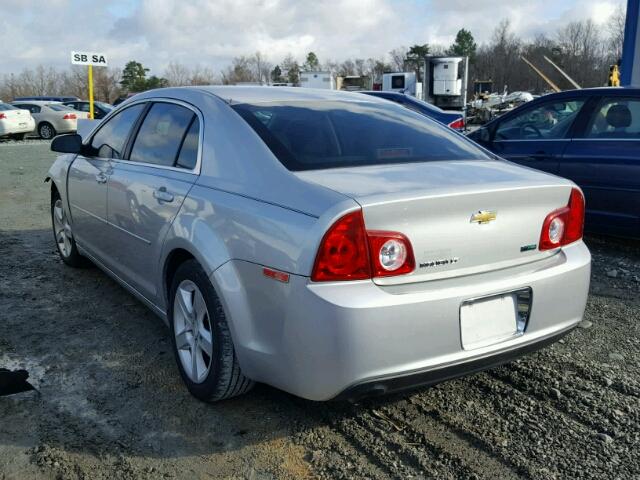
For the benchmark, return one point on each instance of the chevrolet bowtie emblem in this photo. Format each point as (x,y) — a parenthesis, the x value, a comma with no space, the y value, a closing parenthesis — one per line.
(483,216)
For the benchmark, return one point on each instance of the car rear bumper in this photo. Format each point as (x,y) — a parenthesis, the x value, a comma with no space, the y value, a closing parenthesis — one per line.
(17,129)
(338,340)
(66,126)
(392,384)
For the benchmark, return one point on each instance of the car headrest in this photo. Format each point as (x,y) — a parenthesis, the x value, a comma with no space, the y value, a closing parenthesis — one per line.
(619,116)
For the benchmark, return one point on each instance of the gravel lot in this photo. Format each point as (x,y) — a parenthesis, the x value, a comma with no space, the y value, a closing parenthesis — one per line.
(109,402)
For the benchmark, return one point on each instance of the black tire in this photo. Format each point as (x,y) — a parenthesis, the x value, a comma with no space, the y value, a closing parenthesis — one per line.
(224,378)
(46,131)
(73,257)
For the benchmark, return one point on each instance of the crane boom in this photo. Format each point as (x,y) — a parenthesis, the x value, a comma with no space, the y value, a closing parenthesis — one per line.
(553,86)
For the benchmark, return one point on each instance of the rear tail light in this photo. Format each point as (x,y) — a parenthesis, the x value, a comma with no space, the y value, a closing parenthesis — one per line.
(343,253)
(69,116)
(349,252)
(565,225)
(457,124)
(391,253)
(2,116)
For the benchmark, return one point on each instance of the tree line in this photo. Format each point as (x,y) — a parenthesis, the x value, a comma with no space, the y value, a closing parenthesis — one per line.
(583,49)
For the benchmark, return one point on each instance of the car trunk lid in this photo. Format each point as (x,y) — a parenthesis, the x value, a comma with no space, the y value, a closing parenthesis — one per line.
(462,217)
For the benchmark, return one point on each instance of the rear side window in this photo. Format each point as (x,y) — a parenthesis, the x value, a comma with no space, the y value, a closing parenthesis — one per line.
(31,108)
(59,107)
(330,134)
(110,140)
(616,118)
(188,156)
(161,134)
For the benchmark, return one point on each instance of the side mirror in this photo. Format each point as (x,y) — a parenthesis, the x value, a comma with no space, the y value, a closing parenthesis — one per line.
(71,143)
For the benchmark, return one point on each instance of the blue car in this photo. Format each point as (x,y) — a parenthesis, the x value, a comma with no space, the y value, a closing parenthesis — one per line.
(591,136)
(453,120)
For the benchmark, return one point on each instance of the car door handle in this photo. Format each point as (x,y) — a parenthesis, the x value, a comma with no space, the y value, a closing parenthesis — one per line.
(162,195)
(101,178)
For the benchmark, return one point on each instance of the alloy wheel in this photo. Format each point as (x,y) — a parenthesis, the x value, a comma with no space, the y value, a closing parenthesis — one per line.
(62,229)
(46,132)
(192,330)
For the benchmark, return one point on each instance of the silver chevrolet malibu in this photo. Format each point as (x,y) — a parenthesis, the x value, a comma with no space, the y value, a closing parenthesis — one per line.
(332,245)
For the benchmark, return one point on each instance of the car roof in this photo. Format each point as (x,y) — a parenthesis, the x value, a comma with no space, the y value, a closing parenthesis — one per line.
(38,102)
(235,94)
(383,92)
(593,91)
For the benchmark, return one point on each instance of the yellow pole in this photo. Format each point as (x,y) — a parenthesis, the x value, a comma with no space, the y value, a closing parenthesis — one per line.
(91,92)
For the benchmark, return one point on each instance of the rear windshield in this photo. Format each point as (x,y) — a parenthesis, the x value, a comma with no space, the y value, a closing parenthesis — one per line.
(5,107)
(330,134)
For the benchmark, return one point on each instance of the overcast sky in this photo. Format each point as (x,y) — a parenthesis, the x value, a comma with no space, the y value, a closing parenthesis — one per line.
(211,32)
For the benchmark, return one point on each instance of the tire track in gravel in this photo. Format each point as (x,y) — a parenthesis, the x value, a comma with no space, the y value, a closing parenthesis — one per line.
(625,386)
(469,458)
(581,436)
(602,416)
(484,429)
(416,448)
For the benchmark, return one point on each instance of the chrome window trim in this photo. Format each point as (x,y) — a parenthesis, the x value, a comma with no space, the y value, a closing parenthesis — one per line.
(612,139)
(534,140)
(194,171)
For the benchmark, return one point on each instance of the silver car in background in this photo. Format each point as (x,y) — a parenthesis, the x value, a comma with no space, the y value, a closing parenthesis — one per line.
(51,118)
(329,244)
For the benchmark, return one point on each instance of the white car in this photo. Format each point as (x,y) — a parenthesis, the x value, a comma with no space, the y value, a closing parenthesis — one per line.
(52,118)
(14,122)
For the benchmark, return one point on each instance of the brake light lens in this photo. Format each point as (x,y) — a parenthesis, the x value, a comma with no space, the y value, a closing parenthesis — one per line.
(349,252)
(457,124)
(343,253)
(2,116)
(565,225)
(69,116)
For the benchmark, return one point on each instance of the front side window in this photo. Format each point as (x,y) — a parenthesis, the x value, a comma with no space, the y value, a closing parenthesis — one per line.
(331,134)
(110,140)
(616,118)
(161,134)
(547,122)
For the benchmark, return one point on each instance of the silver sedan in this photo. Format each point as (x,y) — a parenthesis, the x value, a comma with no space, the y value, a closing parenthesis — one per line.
(330,244)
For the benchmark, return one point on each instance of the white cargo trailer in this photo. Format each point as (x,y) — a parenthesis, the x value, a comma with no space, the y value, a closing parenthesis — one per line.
(447,79)
(404,82)
(445,82)
(324,80)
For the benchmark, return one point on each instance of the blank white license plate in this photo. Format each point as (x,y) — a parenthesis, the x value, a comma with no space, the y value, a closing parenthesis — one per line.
(488,320)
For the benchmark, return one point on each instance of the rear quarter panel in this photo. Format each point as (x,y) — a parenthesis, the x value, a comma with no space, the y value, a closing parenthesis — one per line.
(217,226)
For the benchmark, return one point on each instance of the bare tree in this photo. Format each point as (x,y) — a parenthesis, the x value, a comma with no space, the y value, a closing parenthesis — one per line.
(177,75)
(261,68)
(202,76)
(240,71)
(615,30)
(398,57)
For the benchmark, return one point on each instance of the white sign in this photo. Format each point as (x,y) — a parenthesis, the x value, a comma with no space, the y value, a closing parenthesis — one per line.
(89,58)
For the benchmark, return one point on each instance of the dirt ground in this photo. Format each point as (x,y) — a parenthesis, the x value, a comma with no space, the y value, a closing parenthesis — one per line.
(109,402)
